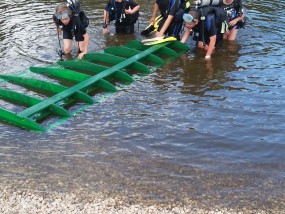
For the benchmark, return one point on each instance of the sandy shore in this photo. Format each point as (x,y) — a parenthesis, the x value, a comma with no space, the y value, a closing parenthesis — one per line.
(27,203)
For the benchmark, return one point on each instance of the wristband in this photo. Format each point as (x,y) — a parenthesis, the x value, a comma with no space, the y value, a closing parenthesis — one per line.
(105,26)
(207,56)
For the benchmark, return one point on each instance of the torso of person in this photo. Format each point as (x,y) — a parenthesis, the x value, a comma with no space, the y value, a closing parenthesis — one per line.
(231,10)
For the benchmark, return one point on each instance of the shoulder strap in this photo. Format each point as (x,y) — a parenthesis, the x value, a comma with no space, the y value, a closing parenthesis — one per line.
(115,8)
(202,25)
(171,3)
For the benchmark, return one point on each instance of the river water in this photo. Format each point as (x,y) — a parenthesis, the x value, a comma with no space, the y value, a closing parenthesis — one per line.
(207,132)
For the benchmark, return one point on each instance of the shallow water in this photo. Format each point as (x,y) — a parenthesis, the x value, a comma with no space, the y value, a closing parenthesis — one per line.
(212,132)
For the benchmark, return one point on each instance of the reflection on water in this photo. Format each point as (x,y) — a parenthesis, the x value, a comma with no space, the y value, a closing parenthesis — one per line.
(210,132)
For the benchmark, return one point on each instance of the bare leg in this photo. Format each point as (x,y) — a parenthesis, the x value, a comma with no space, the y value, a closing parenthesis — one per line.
(81,46)
(232,35)
(67,44)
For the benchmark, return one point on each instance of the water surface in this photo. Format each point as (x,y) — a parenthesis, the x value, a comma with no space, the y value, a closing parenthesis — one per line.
(207,132)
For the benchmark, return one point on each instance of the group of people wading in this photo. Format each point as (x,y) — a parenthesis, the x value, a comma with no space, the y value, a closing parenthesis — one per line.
(208,21)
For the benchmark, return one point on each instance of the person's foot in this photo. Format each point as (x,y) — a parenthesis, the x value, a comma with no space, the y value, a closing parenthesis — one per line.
(147,31)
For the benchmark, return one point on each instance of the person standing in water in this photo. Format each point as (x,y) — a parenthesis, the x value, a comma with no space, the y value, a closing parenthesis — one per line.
(125,13)
(235,15)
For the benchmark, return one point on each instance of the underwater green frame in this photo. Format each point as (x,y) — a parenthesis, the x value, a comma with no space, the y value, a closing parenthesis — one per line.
(115,62)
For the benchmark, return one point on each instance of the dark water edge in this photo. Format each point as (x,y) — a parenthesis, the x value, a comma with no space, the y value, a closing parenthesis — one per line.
(209,134)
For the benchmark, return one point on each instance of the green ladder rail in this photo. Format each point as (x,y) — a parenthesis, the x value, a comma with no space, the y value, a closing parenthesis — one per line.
(98,71)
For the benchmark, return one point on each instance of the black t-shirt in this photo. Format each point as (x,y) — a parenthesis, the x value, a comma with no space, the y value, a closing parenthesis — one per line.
(116,8)
(210,28)
(74,26)
(168,7)
(232,10)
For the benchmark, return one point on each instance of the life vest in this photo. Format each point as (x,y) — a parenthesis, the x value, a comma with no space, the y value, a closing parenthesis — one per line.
(220,20)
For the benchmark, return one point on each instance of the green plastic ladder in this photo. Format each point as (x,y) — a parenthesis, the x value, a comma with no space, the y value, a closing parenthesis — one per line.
(95,71)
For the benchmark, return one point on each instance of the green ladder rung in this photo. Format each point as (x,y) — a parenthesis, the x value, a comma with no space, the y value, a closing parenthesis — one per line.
(139,46)
(108,58)
(136,44)
(60,73)
(46,86)
(28,101)
(129,52)
(24,122)
(178,46)
(72,75)
(82,65)
(94,68)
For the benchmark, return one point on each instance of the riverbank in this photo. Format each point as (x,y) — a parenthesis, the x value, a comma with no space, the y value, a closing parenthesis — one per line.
(58,203)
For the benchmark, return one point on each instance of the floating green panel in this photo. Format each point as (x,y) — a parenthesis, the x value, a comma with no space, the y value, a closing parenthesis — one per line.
(23,122)
(15,97)
(108,58)
(83,65)
(122,75)
(163,50)
(35,83)
(128,52)
(106,85)
(61,73)
(136,44)
(178,46)
(28,101)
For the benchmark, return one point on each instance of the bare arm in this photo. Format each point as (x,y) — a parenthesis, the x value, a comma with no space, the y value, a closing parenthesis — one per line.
(105,23)
(211,46)
(236,20)
(85,46)
(154,12)
(105,17)
(165,26)
(185,35)
(131,11)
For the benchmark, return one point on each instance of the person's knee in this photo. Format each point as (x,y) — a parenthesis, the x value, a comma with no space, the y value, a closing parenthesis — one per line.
(67,50)
(67,45)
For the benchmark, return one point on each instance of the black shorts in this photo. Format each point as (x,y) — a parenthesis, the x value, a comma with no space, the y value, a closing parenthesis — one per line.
(68,34)
(125,28)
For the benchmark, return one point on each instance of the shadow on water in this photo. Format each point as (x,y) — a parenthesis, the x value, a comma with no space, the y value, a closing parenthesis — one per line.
(207,133)
(211,74)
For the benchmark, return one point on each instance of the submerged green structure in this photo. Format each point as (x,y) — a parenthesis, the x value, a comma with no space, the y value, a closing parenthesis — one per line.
(53,101)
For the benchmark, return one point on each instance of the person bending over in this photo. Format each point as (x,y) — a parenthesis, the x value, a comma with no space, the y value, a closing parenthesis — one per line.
(193,23)
(168,25)
(71,27)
